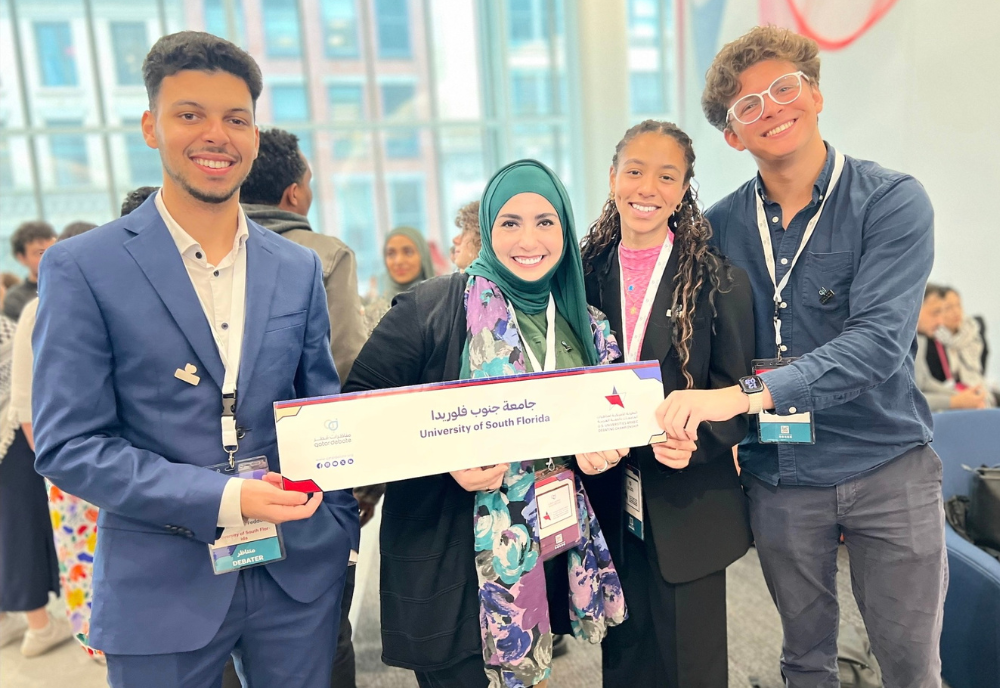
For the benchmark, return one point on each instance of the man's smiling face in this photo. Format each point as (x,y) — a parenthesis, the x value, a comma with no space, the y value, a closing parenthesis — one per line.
(203,126)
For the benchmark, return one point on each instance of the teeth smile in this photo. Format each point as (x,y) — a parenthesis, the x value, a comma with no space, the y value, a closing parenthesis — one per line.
(778,130)
(214,164)
(643,208)
(528,261)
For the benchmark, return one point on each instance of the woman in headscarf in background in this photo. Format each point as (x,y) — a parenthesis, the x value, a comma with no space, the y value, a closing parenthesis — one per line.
(463,583)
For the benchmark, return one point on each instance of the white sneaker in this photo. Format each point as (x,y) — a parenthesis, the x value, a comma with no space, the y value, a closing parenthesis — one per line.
(56,632)
(12,627)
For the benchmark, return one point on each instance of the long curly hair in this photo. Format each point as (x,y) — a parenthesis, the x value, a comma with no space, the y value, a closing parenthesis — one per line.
(697,264)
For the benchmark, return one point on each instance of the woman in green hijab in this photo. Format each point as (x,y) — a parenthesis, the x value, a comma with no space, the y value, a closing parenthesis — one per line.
(407,261)
(465,595)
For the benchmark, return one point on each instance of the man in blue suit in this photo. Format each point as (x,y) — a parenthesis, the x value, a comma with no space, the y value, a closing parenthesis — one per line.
(135,371)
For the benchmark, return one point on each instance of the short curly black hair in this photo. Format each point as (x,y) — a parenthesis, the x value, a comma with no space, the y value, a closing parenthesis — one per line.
(199,51)
(279,164)
(136,197)
(28,233)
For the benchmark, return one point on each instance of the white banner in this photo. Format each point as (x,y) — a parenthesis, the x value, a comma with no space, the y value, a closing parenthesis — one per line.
(364,438)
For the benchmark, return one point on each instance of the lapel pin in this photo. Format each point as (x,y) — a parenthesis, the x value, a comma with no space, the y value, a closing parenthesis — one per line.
(188,374)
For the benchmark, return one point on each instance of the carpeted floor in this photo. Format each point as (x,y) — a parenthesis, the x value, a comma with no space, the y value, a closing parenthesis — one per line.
(754,636)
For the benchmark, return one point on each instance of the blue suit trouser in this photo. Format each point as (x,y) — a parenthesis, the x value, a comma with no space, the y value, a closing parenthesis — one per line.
(274,640)
(892,520)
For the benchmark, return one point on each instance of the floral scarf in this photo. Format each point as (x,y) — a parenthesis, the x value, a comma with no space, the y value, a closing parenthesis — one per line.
(513,608)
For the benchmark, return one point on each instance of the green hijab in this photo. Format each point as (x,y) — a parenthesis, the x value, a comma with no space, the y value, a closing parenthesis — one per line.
(391,287)
(565,280)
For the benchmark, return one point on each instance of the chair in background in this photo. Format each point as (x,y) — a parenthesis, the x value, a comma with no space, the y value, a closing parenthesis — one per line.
(970,641)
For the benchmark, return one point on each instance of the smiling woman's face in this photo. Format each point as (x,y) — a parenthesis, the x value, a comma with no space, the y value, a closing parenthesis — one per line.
(528,236)
(402,259)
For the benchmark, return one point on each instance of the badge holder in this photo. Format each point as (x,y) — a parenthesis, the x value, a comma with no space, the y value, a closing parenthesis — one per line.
(796,428)
(558,519)
(255,544)
(633,499)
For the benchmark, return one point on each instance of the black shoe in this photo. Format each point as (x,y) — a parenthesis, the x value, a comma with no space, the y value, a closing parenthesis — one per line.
(560,646)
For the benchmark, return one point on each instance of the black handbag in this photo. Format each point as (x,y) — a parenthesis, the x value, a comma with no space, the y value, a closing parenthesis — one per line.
(983,518)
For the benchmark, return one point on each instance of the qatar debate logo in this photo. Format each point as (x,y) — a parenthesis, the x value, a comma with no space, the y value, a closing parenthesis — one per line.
(332,425)
(615,399)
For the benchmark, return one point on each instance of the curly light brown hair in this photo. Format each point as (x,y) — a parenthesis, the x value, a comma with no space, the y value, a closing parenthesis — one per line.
(698,266)
(722,82)
(467,220)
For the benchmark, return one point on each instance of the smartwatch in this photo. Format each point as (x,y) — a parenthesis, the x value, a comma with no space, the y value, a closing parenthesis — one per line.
(753,387)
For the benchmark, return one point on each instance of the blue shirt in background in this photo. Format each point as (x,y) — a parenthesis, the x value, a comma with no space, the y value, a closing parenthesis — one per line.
(873,247)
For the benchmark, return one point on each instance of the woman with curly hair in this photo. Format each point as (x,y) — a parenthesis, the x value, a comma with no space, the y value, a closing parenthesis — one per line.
(670,298)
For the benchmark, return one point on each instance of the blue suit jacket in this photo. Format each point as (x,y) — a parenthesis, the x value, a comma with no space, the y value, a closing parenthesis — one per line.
(117,316)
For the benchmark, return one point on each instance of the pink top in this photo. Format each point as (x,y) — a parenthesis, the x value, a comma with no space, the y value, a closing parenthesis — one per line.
(637,269)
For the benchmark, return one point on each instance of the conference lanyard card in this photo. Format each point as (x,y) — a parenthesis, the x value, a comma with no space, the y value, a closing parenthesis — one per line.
(633,500)
(558,520)
(796,428)
(257,542)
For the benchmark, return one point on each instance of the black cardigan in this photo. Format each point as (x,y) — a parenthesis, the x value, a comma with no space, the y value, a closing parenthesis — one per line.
(429,587)
(698,516)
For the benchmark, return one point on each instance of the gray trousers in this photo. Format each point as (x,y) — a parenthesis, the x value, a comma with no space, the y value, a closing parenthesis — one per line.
(892,519)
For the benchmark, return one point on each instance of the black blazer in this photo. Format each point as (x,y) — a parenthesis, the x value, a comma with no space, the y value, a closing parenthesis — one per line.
(697,516)
(429,587)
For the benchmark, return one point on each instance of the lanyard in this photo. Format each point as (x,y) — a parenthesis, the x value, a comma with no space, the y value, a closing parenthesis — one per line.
(632,345)
(765,239)
(232,353)
(550,338)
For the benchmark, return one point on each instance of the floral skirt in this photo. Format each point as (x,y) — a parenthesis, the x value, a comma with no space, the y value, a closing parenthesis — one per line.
(74,525)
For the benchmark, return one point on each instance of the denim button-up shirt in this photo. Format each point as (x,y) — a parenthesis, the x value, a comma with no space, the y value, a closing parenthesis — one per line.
(873,248)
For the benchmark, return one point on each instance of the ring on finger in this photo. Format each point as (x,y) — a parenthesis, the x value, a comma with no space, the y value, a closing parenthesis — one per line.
(605,467)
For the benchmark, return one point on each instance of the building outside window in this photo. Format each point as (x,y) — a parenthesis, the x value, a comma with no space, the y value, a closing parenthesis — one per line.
(340,29)
(56,57)
(346,101)
(216,23)
(143,162)
(281,28)
(403,107)
(652,59)
(356,200)
(70,163)
(398,106)
(130,47)
(406,202)
(393,22)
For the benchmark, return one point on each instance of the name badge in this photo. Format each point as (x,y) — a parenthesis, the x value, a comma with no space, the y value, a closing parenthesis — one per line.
(254,544)
(633,500)
(558,521)
(796,428)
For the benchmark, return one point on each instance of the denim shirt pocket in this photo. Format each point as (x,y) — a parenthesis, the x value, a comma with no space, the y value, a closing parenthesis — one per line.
(826,281)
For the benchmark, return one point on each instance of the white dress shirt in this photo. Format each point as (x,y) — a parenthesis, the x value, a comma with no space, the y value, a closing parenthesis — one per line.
(214,286)
(21,366)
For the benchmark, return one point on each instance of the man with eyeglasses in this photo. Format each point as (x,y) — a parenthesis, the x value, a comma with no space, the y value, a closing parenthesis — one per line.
(838,251)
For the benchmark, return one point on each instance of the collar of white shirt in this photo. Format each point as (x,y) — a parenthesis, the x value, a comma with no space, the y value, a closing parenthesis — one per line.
(189,248)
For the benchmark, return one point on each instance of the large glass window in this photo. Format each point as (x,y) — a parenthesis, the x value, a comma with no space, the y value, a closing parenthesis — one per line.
(346,101)
(406,202)
(355,197)
(289,103)
(392,19)
(398,106)
(281,28)
(340,28)
(143,162)
(70,163)
(6,169)
(651,58)
(130,47)
(217,23)
(448,91)
(528,21)
(56,59)
(530,92)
